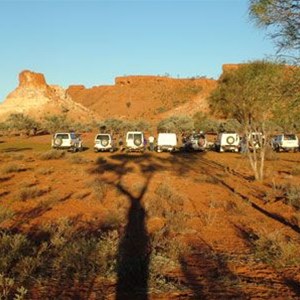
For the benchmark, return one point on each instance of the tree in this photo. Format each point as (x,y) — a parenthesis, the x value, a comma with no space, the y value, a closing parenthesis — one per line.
(22,123)
(255,94)
(204,123)
(282,17)
(54,123)
(177,124)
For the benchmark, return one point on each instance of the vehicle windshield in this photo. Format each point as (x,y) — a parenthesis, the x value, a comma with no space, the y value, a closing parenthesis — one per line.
(63,136)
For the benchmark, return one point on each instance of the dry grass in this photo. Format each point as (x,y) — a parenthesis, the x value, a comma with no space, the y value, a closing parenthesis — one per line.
(277,249)
(13,168)
(52,154)
(29,193)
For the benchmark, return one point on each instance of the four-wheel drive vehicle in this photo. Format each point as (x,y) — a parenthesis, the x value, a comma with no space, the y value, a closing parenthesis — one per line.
(196,142)
(228,142)
(67,140)
(252,142)
(285,142)
(104,142)
(134,141)
(166,142)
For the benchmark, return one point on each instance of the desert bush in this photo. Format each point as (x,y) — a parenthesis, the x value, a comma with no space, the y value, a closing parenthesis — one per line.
(99,187)
(270,154)
(177,124)
(173,198)
(54,123)
(78,159)
(164,260)
(5,214)
(293,196)
(52,154)
(13,168)
(22,123)
(30,193)
(204,123)
(277,250)
(114,125)
(296,170)
(45,171)
(8,289)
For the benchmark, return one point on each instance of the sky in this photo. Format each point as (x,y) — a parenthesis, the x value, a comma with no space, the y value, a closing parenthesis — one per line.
(92,42)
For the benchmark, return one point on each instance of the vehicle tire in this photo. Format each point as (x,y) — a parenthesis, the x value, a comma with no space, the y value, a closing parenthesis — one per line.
(137,142)
(57,142)
(230,140)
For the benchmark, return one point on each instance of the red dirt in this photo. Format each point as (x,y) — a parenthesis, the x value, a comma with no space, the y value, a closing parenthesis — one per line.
(227,210)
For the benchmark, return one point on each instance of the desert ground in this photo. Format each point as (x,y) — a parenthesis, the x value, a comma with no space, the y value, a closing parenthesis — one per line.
(147,226)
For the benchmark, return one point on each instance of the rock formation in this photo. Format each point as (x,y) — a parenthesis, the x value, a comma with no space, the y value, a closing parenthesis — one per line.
(36,98)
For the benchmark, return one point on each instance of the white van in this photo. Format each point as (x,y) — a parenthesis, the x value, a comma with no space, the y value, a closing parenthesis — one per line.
(285,142)
(166,142)
(135,141)
(67,140)
(228,142)
(104,142)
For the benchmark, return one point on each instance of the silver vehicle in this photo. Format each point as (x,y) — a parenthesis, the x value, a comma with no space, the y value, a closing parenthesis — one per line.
(228,142)
(67,140)
(285,142)
(196,142)
(104,142)
(134,141)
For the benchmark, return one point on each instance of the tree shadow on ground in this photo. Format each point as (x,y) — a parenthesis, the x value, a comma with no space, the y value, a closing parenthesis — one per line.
(13,149)
(134,248)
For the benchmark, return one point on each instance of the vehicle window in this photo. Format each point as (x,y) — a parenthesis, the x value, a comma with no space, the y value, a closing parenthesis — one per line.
(290,137)
(102,137)
(63,136)
(137,136)
(130,136)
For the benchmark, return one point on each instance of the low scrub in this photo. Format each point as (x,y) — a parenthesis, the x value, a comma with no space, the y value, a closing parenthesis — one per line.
(277,250)
(99,187)
(13,168)
(52,154)
(28,193)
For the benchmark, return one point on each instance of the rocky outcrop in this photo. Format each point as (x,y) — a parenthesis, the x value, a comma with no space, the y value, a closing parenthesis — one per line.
(150,97)
(35,97)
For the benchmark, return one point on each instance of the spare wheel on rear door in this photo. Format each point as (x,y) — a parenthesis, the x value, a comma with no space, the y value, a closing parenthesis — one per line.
(137,140)
(230,140)
(104,142)
(57,141)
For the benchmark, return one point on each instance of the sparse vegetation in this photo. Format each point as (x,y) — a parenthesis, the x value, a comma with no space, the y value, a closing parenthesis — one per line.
(52,154)
(13,168)
(99,188)
(277,250)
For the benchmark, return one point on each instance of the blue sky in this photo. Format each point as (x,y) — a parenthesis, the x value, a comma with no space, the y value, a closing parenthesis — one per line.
(92,42)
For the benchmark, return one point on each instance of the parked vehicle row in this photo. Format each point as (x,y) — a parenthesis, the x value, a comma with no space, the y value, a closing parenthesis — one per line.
(135,142)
